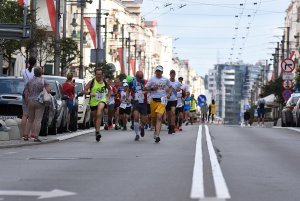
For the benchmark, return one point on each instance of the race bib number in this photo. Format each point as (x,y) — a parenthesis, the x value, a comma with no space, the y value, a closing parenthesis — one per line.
(187,102)
(139,97)
(100,96)
(123,105)
(164,100)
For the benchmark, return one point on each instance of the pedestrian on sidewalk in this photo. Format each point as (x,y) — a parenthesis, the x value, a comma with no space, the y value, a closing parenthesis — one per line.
(246,117)
(212,110)
(68,88)
(27,74)
(260,110)
(160,88)
(99,98)
(35,109)
(204,109)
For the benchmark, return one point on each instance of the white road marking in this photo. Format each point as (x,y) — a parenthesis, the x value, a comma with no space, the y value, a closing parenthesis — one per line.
(9,153)
(219,181)
(197,191)
(75,134)
(40,194)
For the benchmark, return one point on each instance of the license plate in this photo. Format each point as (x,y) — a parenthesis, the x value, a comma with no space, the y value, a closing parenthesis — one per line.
(7,117)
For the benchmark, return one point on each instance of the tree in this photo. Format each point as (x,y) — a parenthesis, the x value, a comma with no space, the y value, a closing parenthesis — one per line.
(107,70)
(10,12)
(274,87)
(69,52)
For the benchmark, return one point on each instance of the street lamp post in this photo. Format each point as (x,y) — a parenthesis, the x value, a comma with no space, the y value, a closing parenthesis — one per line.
(81,40)
(57,40)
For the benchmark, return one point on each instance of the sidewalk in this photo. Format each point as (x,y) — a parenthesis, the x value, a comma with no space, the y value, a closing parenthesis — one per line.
(45,139)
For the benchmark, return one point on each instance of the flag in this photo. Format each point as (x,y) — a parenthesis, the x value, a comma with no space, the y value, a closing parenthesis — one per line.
(91,25)
(23,2)
(46,13)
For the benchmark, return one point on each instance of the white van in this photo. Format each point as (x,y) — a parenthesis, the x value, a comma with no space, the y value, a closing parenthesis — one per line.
(84,110)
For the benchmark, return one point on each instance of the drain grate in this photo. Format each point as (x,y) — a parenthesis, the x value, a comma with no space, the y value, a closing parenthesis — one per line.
(59,158)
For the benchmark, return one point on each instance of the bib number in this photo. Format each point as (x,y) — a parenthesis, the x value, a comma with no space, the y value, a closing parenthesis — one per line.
(179,105)
(123,105)
(187,102)
(164,100)
(99,96)
(139,97)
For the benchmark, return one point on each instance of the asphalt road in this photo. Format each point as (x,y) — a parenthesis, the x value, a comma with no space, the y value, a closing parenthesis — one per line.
(255,164)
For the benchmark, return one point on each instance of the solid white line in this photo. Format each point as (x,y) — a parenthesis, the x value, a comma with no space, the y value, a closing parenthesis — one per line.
(220,184)
(75,134)
(197,191)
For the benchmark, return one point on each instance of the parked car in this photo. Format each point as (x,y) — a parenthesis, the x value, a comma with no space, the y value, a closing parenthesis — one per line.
(73,120)
(84,110)
(11,97)
(296,114)
(287,118)
(55,115)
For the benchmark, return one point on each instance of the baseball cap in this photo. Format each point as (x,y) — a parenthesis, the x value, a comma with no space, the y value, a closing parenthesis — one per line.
(124,81)
(125,84)
(180,78)
(159,68)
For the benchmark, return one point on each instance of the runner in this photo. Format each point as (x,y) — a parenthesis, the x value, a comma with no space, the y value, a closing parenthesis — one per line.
(193,109)
(179,109)
(139,104)
(97,89)
(125,107)
(111,105)
(160,91)
(118,87)
(172,102)
(187,108)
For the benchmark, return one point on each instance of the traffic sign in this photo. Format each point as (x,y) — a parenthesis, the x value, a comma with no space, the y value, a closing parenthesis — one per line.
(288,65)
(286,94)
(287,76)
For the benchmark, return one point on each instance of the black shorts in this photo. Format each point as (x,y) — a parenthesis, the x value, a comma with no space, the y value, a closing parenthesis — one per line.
(178,110)
(127,111)
(93,108)
(140,107)
(171,104)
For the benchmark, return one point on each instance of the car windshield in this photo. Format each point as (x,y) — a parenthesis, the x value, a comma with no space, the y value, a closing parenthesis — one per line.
(60,80)
(294,100)
(78,87)
(11,86)
(53,87)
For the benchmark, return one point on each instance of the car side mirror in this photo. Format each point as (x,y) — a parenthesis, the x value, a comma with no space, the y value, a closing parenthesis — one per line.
(53,93)
(65,97)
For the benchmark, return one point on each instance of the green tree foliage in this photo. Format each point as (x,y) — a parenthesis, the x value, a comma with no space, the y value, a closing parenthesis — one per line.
(274,87)
(106,68)
(69,53)
(10,13)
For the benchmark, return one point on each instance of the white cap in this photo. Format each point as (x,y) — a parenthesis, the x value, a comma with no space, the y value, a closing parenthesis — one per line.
(160,68)
(124,81)
(125,84)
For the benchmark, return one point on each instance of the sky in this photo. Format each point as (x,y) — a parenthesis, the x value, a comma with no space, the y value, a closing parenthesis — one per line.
(218,31)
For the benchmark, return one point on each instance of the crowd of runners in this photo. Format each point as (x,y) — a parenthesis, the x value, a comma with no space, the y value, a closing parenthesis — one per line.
(146,104)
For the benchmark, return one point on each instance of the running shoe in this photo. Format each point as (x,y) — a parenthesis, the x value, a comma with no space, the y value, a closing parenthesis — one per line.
(98,136)
(157,139)
(137,138)
(124,128)
(106,127)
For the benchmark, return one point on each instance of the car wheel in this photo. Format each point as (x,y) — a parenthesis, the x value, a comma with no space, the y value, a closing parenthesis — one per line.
(282,122)
(73,121)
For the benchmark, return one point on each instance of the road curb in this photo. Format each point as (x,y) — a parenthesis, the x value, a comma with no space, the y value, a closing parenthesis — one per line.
(48,141)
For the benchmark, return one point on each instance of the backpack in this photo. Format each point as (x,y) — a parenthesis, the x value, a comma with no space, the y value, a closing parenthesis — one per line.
(261,104)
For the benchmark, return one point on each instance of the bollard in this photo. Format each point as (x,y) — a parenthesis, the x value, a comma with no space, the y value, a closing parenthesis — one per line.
(4,136)
(14,133)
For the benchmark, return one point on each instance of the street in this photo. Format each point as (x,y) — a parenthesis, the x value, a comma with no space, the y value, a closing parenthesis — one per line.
(255,164)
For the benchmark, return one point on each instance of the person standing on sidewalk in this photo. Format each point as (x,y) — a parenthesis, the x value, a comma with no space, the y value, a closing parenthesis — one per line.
(213,110)
(260,110)
(139,104)
(160,88)
(27,74)
(97,89)
(68,89)
(36,109)
(172,102)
